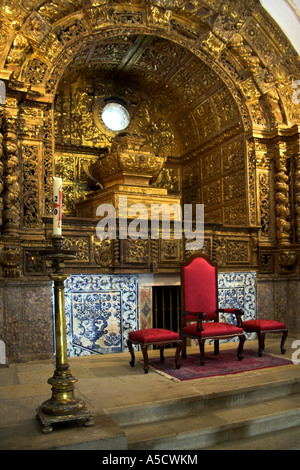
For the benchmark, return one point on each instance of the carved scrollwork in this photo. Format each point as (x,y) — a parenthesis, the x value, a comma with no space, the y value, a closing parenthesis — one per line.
(10,261)
(11,196)
(30,186)
(48,162)
(282,198)
(136,251)
(80,245)
(288,259)
(104,255)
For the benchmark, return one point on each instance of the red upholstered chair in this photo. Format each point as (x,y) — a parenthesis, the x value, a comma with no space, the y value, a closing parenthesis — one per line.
(199,290)
(261,327)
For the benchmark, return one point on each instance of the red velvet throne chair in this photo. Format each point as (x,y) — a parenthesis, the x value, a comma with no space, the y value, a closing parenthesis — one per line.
(200,312)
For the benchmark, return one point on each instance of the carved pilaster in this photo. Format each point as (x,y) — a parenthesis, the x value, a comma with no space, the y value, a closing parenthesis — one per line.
(11,196)
(264,190)
(48,159)
(282,196)
(251,184)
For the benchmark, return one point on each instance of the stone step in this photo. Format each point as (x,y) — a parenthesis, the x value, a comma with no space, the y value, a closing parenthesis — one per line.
(193,404)
(285,439)
(208,428)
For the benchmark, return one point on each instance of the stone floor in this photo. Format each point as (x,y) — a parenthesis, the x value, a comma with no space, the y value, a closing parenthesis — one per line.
(106,383)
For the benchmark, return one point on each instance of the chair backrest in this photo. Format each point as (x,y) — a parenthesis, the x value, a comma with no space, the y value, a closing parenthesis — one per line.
(199,285)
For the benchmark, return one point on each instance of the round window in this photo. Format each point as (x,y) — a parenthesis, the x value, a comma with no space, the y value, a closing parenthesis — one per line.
(115,117)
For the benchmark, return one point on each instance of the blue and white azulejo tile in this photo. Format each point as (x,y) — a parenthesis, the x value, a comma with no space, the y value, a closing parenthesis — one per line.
(101,310)
(238,290)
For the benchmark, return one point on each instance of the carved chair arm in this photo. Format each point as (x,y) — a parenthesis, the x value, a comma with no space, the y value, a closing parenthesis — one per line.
(238,312)
(200,317)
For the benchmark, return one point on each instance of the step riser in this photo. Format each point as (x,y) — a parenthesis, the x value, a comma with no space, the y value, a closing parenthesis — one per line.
(169,409)
(213,436)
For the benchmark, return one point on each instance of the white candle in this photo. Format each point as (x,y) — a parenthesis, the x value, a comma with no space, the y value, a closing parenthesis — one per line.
(57,205)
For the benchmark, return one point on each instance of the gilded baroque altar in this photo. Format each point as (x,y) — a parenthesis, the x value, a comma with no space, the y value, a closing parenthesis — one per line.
(210,88)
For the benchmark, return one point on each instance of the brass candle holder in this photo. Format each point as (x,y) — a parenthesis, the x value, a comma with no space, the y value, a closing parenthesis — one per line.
(62,406)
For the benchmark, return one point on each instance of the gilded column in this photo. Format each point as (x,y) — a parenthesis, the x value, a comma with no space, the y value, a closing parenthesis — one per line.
(48,159)
(282,196)
(11,197)
(265,190)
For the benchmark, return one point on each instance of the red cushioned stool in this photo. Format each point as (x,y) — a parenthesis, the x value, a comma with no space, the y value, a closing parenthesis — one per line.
(261,327)
(156,337)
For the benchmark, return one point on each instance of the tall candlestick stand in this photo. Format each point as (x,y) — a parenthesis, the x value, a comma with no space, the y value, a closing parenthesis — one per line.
(62,406)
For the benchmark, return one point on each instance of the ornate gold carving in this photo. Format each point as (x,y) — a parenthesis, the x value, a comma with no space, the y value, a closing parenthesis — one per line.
(252,183)
(191,174)
(238,251)
(213,44)
(48,145)
(288,259)
(264,192)
(282,196)
(234,186)
(169,178)
(10,260)
(104,253)
(35,71)
(30,186)
(127,161)
(33,264)
(266,263)
(35,28)
(19,50)
(211,164)
(260,42)
(220,250)
(169,250)
(81,246)
(213,216)
(11,196)
(236,214)
(212,193)
(218,61)
(135,251)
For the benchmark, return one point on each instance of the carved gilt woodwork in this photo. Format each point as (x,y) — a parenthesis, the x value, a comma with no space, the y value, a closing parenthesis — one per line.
(209,84)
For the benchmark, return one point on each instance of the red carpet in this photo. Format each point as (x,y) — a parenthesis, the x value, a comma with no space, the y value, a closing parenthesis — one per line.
(223,364)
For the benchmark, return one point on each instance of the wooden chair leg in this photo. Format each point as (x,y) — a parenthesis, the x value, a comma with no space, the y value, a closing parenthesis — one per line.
(162,358)
(202,352)
(261,343)
(216,347)
(183,353)
(241,347)
(284,337)
(177,355)
(145,356)
(131,350)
